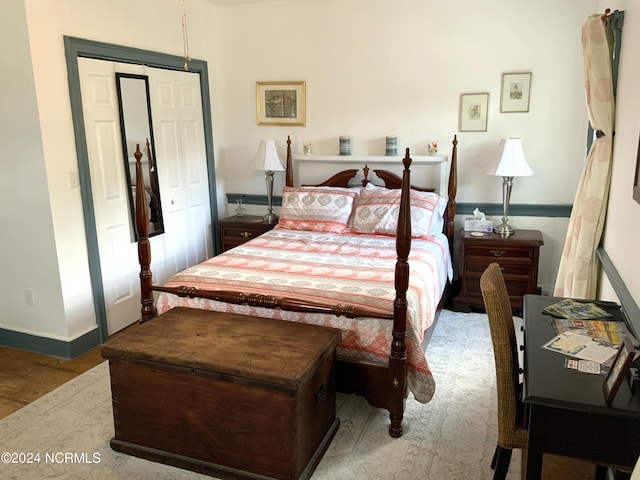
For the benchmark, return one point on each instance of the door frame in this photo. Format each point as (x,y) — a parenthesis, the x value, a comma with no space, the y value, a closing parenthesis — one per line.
(78,47)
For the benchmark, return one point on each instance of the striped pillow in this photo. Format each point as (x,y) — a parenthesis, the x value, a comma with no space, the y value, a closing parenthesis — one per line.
(377,210)
(316,209)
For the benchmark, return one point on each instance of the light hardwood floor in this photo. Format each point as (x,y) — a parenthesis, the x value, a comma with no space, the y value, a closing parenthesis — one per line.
(26,376)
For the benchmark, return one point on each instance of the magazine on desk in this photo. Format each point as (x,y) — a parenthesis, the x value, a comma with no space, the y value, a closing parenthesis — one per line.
(586,330)
(605,331)
(582,347)
(576,310)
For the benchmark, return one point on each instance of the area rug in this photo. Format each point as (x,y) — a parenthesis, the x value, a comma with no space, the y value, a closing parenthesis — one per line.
(66,433)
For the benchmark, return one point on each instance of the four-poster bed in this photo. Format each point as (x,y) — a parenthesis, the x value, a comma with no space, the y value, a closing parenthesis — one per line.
(373,295)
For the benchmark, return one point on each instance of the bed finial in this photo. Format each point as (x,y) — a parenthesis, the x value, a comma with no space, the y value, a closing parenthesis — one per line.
(406,161)
(365,172)
(288,176)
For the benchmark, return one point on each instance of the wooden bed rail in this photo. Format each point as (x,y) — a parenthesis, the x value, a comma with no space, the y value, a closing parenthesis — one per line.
(270,301)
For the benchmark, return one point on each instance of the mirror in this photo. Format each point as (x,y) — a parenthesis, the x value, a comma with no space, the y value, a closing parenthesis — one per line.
(137,129)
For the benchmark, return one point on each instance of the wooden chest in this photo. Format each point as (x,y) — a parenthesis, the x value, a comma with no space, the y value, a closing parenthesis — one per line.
(224,394)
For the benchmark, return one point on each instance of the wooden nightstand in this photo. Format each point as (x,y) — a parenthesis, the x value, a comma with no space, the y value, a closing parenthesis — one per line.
(236,230)
(517,255)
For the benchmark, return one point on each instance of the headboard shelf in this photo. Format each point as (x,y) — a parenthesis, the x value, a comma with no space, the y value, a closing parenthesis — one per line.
(417,159)
(439,165)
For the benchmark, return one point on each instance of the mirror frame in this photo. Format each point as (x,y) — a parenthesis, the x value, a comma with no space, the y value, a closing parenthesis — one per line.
(157,226)
(636,182)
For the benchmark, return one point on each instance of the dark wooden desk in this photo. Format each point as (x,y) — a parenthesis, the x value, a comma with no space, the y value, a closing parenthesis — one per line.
(566,410)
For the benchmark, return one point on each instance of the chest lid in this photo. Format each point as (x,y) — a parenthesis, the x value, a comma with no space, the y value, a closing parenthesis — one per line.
(264,349)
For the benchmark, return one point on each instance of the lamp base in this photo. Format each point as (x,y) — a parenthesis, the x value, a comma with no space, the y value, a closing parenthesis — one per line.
(504,229)
(270,218)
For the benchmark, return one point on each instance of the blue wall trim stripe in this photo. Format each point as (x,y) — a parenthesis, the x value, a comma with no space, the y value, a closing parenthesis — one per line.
(515,210)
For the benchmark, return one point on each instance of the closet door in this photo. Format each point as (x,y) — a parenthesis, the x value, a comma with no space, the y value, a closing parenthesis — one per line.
(176,108)
(182,174)
(117,247)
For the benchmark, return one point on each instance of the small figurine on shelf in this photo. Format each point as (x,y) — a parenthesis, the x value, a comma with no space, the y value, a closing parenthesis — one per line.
(240,210)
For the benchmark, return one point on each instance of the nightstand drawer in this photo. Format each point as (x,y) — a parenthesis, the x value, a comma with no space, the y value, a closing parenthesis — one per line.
(239,233)
(507,267)
(517,286)
(499,252)
(236,230)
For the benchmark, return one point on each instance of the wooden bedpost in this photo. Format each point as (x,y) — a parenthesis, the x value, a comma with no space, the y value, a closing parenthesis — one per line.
(398,358)
(148,310)
(452,192)
(289,165)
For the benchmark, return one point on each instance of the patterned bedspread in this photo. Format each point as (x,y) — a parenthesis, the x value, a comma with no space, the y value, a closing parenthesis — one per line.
(353,269)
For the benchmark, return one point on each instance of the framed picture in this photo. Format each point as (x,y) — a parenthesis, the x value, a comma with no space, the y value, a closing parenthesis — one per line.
(473,112)
(281,103)
(619,368)
(516,89)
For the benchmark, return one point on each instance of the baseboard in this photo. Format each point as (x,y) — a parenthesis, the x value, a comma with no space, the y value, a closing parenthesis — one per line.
(50,346)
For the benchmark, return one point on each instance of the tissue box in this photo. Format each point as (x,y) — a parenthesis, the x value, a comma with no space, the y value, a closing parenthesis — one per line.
(473,225)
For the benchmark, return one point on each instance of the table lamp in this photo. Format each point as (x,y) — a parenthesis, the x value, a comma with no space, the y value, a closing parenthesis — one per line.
(511,163)
(267,159)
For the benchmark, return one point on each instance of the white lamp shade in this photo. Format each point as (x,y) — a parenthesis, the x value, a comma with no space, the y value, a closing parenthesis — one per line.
(511,161)
(267,158)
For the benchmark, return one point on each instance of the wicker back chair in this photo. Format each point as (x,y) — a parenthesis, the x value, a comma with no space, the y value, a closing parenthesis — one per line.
(511,430)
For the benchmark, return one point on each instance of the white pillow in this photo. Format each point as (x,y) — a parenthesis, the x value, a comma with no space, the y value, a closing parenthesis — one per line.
(316,209)
(376,212)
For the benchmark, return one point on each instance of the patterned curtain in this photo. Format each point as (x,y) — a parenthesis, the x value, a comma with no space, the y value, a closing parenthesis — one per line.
(577,275)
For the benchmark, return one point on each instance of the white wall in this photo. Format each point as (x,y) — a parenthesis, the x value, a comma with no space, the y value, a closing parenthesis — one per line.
(372,68)
(622,229)
(46,249)
(27,246)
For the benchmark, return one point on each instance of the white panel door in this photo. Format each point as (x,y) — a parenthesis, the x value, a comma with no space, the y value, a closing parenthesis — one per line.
(176,108)
(182,175)
(118,250)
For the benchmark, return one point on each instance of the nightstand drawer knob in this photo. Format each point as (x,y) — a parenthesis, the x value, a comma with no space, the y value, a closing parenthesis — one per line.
(246,234)
(497,253)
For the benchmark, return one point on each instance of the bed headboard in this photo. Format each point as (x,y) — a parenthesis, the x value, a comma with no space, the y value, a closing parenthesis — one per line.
(391,180)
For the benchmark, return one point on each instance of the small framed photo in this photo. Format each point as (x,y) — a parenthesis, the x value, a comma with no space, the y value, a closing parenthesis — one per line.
(473,112)
(281,103)
(516,90)
(618,371)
